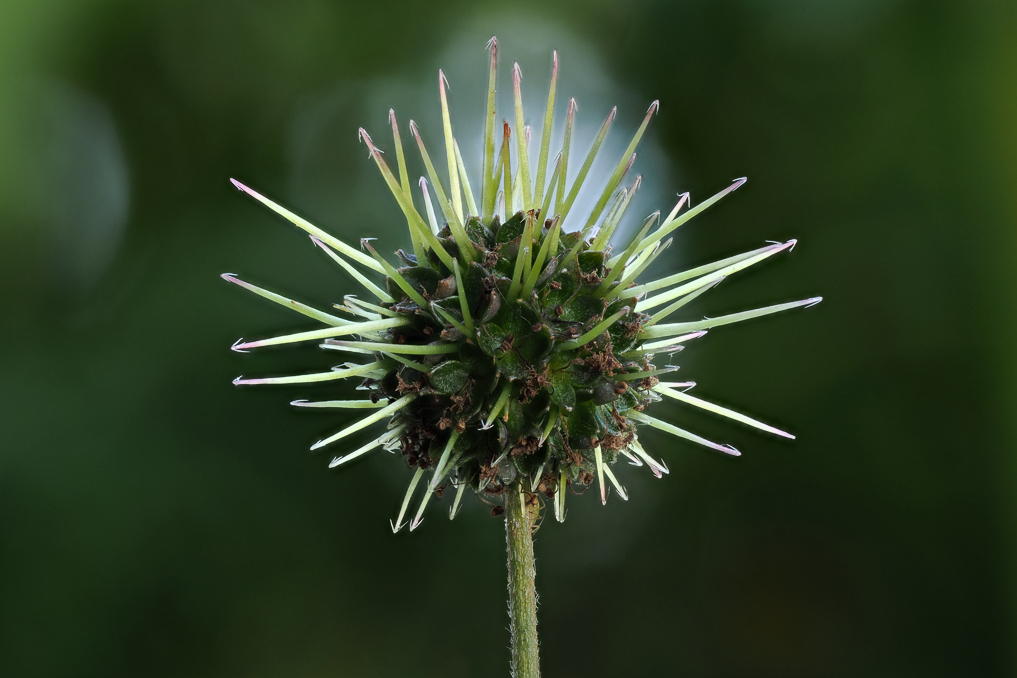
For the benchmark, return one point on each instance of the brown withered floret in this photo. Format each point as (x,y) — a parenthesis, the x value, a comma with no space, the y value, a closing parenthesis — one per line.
(414,444)
(591,278)
(603,362)
(617,442)
(573,456)
(619,420)
(403,388)
(646,383)
(487,473)
(461,402)
(548,485)
(533,384)
(525,446)
(633,328)
(554,285)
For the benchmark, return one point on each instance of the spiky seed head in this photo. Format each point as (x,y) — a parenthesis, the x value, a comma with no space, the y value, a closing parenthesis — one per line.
(507,352)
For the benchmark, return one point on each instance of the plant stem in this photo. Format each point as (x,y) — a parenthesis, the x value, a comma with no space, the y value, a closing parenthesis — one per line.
(522,593)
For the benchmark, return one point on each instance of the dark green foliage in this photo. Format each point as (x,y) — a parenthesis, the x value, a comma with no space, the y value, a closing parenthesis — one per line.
(561,404)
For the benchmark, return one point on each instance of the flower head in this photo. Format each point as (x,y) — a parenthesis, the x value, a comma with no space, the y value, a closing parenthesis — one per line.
(512,350)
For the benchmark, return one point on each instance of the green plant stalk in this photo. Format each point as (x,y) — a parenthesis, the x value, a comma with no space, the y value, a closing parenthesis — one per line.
(522,593)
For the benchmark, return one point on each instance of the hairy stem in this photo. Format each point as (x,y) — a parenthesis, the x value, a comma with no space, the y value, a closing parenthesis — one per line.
(522,593)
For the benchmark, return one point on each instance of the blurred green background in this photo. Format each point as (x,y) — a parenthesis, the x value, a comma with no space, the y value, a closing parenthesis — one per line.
(157,521)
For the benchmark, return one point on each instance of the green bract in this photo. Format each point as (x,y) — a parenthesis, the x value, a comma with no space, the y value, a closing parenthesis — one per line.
(506,353)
